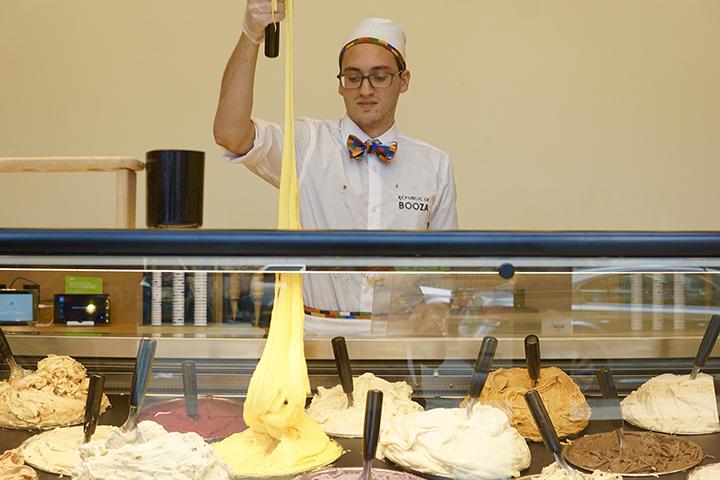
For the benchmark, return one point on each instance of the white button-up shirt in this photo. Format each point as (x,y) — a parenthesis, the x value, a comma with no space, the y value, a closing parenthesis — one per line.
(416,191)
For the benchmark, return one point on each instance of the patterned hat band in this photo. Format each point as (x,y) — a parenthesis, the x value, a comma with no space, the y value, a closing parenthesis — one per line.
(374,41)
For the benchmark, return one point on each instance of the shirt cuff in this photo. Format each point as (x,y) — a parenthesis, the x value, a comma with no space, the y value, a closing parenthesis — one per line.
(233,157)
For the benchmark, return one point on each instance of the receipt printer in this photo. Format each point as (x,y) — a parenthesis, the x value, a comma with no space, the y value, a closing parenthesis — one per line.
(81,309)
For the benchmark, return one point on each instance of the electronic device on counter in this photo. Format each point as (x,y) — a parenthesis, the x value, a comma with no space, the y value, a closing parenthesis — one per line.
(81,310)
(18,307)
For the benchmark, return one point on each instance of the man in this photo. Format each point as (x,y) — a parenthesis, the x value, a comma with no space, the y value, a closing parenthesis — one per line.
(356,173)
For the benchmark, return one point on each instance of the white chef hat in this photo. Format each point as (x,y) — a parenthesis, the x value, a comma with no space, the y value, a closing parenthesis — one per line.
(381,32)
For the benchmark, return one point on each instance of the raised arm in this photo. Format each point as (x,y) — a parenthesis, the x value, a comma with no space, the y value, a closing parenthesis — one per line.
(233,128)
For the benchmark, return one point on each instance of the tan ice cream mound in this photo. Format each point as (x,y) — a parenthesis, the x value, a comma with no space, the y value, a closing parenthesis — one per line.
(13,468)
(58,450)
(52,396)
(565,402)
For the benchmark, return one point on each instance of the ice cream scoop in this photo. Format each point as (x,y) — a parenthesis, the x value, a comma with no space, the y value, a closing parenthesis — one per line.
(92,406)
(716,389)
(16,371)
(342,360)
(371,431)
(481,371)
(612,403)
(547,430)
(129,433)
(706,345)
(190,390)
(532,358)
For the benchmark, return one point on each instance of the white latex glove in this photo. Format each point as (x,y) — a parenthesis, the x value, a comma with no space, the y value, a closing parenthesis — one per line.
(258,15)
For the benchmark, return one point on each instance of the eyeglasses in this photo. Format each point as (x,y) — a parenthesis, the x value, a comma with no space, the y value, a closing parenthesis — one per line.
(377,80)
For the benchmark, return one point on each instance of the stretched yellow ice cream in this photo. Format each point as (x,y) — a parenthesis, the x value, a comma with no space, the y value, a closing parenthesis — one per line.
(566,404)
(13,468)
(281,438)
(51,396)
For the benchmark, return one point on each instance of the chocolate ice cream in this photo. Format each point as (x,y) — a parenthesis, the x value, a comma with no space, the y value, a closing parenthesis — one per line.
(646,452)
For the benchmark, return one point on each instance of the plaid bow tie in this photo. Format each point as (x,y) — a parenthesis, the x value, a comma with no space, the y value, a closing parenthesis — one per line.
(357,149)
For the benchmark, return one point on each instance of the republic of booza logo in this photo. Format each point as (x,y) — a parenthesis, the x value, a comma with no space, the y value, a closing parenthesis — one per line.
(415,203)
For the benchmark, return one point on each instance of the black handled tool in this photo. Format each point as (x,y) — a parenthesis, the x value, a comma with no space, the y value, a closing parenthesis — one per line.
(92,405)
(272,40)
(141,375)
(190,389)
(481,371)
(371,431)
(612,403)
(706,345)
(342,361)
(532,358)
(6,355)
(547,429)
(716,386)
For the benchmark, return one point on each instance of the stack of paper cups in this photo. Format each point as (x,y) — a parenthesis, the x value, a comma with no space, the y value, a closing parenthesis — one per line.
(201,285)
(679,301)
(636,302)
(156,299)
(178,299)
(657,301)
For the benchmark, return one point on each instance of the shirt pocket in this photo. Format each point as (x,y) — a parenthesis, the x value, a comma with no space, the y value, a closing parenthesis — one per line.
(412,210)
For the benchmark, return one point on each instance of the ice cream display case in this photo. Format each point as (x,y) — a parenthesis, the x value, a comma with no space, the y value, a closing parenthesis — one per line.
(615,331)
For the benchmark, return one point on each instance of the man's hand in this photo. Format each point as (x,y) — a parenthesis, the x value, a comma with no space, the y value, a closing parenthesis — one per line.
(258,15)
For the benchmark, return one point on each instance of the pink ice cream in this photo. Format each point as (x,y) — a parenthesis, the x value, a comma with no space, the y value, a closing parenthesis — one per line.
(217,417)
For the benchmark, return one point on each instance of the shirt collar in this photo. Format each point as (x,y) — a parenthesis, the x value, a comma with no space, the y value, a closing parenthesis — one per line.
(348,127)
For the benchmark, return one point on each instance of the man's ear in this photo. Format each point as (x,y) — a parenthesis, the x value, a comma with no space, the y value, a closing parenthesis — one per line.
(404,81)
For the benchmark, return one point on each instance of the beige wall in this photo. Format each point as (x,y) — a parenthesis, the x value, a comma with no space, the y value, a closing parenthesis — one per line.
(558,114)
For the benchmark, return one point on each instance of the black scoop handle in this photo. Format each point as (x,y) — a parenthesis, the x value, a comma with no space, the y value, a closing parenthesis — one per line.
(716,386)
(93,404)
(272,40)
(708,341)
(190,389)
(371,429)
(543,422)
(5,351)
(342,360)
(141,375)
(482,366)
(610,395)
(532,356)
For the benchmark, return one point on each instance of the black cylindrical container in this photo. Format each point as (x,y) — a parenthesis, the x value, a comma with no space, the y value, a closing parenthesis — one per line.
(174,188)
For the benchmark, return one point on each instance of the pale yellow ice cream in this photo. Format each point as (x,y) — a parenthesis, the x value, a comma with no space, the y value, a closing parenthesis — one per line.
(445,442)
(555,472)
(162,456)
(330,406)
(58,450)
(706,472)
(281,437)
(13,468)
(674,404)
(565,402)
(52,396)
